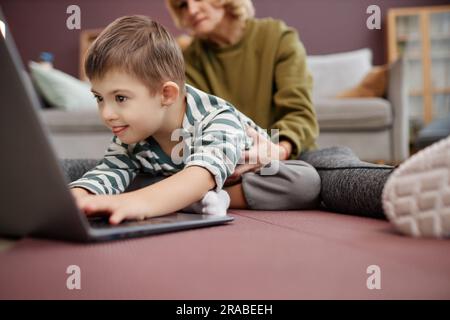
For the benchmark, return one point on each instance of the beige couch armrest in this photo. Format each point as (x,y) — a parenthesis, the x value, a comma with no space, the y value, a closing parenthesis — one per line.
(397,95)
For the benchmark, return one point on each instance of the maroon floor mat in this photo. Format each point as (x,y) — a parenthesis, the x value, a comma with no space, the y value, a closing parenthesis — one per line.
(261,255)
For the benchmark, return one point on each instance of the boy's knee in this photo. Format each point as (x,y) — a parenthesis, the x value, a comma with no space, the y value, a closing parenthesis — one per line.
(295,186)
(304,185)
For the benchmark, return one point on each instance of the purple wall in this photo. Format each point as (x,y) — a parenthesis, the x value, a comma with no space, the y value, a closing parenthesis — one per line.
(325,26)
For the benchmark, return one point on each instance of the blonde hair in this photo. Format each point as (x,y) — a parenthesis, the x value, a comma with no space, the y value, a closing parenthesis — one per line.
(139,46)
(240,9)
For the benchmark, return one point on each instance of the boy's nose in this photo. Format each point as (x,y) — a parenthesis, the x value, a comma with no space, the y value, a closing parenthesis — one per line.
(108,113)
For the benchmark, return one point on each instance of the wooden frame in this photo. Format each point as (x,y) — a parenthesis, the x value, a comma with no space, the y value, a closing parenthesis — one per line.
(423,13)
(86,38)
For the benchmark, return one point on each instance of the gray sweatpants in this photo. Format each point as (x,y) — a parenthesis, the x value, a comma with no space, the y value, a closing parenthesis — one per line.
(348,185)
(294,186)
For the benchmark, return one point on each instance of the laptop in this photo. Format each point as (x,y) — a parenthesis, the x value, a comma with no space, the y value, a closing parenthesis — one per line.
(35,199)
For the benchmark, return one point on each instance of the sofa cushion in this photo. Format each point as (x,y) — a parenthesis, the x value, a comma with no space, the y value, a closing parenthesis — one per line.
(353,114)
(332,114)
(60,121)
(61,90)
(334,73)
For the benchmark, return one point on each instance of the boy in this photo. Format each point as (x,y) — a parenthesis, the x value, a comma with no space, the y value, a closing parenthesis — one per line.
(137,76)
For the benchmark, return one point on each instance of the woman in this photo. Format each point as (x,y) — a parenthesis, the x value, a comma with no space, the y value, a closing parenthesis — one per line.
(275,89)
(260,66)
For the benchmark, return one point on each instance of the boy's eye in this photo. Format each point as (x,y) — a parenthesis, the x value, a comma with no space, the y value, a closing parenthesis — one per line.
(98,98)
(121,98)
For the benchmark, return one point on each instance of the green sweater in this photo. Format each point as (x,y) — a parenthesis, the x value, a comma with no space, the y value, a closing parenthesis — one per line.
(264,75)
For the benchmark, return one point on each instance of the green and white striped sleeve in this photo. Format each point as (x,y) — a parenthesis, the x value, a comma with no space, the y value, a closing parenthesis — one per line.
(219,146)
(114,173)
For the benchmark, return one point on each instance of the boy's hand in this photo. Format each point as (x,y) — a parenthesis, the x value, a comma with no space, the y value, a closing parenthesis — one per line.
(120,207)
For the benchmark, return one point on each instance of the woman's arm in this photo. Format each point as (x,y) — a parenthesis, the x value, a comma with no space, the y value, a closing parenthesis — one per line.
(295,114)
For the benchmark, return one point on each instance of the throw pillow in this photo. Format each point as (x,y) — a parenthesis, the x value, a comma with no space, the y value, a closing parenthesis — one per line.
(372,85)
(61,90)
(334,73)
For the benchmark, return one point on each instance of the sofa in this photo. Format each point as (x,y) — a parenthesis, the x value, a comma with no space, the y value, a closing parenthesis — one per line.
(375,128)
(76,134)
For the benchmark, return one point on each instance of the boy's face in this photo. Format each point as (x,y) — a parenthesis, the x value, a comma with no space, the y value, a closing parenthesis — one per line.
(127,107)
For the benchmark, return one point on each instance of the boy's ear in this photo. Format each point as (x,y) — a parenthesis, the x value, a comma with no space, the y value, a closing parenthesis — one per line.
(170,93)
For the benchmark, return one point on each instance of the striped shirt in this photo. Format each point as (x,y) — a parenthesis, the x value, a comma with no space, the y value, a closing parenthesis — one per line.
(213,137)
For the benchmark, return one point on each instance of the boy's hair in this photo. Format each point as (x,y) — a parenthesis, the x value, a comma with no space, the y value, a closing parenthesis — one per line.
(139,46)
(240,9)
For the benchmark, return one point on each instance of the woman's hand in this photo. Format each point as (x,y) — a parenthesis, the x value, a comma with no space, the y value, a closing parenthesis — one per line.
(261,153)
(130,205)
